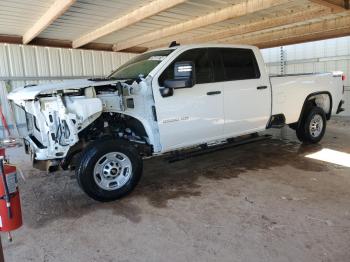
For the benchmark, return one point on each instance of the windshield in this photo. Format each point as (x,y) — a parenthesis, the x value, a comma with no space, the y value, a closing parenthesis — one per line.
(140,65)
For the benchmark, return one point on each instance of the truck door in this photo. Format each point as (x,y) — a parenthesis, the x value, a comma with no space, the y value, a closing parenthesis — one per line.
(247,94)
(191,115)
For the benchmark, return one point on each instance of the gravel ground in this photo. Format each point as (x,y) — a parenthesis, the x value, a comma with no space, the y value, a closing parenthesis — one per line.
(257,202)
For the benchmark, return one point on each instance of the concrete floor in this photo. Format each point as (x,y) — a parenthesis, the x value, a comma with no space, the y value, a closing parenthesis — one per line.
(257,202)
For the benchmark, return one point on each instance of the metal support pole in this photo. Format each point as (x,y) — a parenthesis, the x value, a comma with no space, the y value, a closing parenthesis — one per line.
(283,61)
(283,64)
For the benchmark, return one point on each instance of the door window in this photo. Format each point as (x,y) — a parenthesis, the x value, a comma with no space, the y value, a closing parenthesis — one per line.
(218,67)
(239,64)
(200,59)
(234,64)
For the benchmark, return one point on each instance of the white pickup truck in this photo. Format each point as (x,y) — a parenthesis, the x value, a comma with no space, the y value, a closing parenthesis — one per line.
(168,100)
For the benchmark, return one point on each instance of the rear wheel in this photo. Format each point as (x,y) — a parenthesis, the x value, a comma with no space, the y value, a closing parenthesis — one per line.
(109,169)
(312,127)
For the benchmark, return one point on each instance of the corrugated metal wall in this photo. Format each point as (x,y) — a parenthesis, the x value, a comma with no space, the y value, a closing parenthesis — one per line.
(33,62)
(319,56)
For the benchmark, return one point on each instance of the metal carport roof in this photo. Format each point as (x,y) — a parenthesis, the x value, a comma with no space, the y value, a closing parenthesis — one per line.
(138,25)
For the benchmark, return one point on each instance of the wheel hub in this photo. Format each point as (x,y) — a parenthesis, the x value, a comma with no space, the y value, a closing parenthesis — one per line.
(316,125)
(112,171)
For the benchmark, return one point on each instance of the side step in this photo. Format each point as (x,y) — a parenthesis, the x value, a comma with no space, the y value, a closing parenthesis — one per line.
(204,149)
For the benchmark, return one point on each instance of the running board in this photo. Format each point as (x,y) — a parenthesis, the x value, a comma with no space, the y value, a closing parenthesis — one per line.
(204,149)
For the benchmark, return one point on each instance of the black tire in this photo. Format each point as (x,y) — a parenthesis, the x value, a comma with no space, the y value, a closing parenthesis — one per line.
(86,175)
(304,132)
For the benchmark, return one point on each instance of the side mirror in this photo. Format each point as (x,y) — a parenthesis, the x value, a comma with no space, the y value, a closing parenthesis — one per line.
(184,73)
(166,91)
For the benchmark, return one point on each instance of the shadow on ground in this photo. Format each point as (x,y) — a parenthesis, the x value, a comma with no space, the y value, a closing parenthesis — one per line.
(50,197)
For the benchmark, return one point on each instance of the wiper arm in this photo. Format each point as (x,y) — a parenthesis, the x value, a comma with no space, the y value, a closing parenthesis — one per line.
(98,79)
(103,79)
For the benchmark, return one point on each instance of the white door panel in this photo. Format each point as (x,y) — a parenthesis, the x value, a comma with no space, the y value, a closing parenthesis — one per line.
(190,116)
(247,109)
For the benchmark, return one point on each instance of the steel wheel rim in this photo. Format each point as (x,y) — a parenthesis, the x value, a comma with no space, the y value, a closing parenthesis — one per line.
(112,171)
(316,125)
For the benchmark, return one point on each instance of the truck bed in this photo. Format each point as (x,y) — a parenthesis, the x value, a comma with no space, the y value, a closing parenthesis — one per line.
(289,92)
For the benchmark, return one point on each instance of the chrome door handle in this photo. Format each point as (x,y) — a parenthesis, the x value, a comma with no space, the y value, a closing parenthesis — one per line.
(261,87)
(213,93)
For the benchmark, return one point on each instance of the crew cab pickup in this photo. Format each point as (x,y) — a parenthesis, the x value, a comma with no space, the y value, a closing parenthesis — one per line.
(168,100)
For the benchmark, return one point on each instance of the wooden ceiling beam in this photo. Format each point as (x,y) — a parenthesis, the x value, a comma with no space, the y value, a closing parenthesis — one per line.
(11,39)
(131,18)
(335,5)
(263,24)
(38,41)
(55,11)
(237,10)
(307,38)
(329,28)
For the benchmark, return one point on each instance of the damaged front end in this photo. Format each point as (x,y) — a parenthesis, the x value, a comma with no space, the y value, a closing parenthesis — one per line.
(57,113)
(54,122)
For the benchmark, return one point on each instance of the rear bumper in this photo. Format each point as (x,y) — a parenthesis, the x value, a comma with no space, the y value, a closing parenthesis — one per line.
(340,107)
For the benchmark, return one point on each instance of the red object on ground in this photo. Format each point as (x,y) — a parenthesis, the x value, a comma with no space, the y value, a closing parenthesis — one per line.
(10,220)
(2,151)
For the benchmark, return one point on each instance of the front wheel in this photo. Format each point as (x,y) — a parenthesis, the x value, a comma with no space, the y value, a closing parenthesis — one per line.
(109,169)
(312,127)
